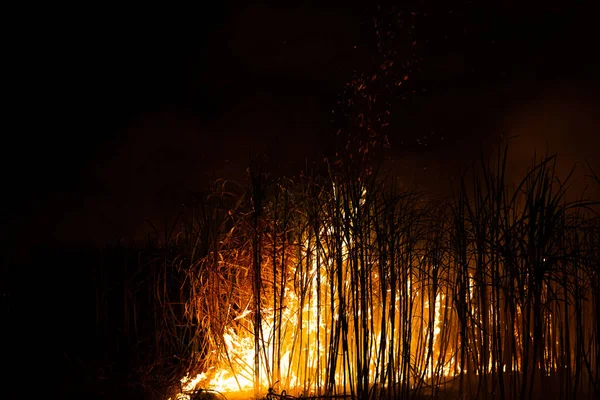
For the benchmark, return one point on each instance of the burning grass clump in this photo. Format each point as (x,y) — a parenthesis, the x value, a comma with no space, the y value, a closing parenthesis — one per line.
(346,285)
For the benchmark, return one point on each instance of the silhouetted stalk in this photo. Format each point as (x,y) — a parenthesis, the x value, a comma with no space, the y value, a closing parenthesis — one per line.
(345,284)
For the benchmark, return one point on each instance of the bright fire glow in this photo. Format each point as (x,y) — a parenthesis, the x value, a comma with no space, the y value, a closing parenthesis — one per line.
(303,334)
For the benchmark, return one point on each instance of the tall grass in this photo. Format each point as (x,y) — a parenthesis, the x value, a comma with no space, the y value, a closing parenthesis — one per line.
(344,284)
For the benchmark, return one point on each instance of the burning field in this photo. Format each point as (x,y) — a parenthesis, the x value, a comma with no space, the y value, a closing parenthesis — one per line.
(376,247)
(347,285)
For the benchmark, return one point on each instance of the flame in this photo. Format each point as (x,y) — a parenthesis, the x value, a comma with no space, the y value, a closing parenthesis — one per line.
(306,332)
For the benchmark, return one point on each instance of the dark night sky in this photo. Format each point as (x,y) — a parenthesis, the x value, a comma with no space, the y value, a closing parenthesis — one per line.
(132,110)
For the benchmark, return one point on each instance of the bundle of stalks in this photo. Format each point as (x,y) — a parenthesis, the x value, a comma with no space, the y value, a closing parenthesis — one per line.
(344,284)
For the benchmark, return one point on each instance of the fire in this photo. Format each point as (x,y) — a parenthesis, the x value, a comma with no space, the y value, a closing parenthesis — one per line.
(307,330)
(299,342)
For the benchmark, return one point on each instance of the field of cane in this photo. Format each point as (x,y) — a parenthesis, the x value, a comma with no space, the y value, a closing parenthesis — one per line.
(345,285)
(342,284)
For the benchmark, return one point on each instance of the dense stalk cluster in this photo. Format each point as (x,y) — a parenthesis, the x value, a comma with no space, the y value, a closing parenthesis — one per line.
(346,284)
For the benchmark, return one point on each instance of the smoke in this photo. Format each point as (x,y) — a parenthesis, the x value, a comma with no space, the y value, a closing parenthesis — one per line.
(561,119)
